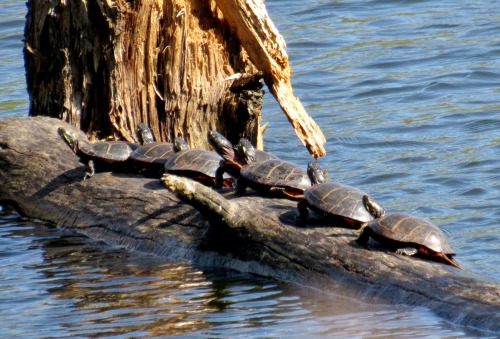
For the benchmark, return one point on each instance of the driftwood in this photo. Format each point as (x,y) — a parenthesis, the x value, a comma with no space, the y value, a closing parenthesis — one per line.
(41,178)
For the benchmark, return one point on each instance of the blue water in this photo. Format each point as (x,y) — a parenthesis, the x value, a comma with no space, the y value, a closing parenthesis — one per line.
(406,93)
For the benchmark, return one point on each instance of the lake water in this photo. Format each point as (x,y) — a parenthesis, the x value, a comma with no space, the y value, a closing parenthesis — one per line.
(407,95)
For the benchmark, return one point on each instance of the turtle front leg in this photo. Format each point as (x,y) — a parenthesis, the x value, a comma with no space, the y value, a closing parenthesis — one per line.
(407,251)
(364,236)
(241,186)
(219,178)
(303,206)
(91,171)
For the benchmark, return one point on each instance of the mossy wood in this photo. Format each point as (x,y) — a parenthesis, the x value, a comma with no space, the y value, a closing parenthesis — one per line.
(42,178)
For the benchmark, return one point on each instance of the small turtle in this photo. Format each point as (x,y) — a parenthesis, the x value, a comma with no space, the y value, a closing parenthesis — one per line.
(100,156)
(409,235)
(274,176)
(234,157)
(150,158)
(339,203)
(197,164)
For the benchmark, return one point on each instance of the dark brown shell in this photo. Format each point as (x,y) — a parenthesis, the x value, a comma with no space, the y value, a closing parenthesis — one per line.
(277,173)
(338,200)
(118,151)
(406,228)
(153,153)
(194,160)
(263,156)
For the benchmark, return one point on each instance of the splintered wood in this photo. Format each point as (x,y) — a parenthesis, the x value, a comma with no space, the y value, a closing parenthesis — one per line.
(266,48)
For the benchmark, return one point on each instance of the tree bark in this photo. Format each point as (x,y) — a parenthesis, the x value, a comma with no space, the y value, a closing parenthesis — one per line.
(41,177)
(105,66)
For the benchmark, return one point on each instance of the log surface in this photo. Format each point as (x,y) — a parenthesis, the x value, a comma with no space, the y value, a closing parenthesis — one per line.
(41,178)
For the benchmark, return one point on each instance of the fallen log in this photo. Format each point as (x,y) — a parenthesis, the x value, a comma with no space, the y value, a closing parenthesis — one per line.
(42,179)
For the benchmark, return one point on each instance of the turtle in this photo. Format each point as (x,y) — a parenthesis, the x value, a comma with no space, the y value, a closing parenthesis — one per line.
(409,235)
(274,176)
(234,157)
(339,203)
(100,156)
(149,159)
(197,164)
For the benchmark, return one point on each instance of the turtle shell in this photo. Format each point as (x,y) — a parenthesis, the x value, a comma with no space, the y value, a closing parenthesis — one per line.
(409,229)
(153,153)
(109,151)
(263,156)
(276,173)
(335,199)
(195,163)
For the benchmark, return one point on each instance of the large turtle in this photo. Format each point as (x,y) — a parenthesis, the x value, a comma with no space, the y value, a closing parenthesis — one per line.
(197,164)
(274,176)
(234,157)
(99,156)
(409,235)
(150,158)
(341,204)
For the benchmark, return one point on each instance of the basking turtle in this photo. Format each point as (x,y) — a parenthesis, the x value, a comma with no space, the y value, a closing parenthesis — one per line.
(197,164)
(150,158)
(234,157)
(100,156)
(339,203)
(409,235)
(274,176)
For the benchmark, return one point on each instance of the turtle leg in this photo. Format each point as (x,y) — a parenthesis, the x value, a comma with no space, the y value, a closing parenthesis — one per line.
(241,186)
(219,177)
(279,191)
(302,206)
(407,251)
(364,236)
(91,172)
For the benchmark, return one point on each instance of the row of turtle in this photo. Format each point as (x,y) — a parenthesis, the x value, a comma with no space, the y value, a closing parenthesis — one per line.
(243,166)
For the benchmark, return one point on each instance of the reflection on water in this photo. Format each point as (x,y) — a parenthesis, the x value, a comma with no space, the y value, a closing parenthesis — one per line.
(69,285)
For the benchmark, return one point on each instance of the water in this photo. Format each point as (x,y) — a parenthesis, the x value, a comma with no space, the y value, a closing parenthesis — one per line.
(406,92)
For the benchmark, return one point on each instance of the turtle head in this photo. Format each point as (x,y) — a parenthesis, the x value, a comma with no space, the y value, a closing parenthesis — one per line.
(144,134)
(246,151)
(373,207)
(315,173)
(222,146)
(180,145)
(70,138)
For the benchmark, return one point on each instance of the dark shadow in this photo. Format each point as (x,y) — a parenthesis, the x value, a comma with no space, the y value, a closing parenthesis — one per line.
(154,184)
(68,177)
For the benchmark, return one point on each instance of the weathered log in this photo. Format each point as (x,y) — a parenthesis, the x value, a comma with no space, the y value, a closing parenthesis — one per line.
(41,178)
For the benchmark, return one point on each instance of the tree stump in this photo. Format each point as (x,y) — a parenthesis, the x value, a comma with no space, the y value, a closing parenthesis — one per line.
(106,66)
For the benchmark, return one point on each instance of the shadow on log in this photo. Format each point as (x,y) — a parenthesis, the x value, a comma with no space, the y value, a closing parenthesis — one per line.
(41,178)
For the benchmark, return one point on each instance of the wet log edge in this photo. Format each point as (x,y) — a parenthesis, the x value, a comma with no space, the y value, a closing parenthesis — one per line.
(41,178)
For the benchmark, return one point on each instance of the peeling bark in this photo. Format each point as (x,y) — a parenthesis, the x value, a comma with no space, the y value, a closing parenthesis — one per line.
(105,66)
(41,177)
(266,48)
